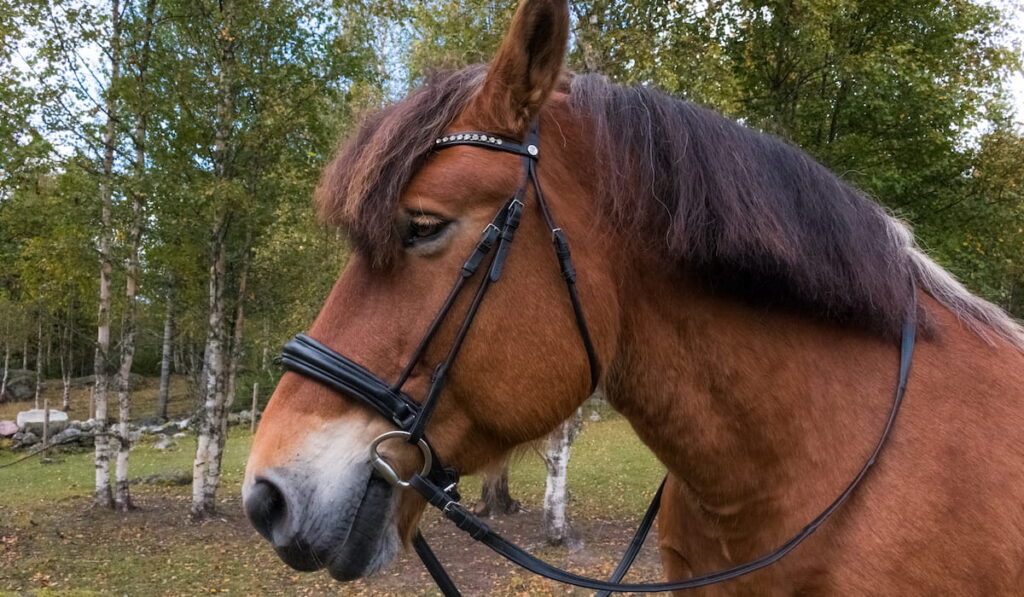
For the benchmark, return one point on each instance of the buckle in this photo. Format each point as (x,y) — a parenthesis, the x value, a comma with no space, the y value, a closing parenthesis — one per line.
(385,469)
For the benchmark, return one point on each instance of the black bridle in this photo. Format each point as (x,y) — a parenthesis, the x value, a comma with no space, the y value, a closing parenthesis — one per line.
(437,483)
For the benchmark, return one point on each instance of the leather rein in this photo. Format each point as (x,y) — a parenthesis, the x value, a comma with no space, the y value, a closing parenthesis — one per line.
(437,483)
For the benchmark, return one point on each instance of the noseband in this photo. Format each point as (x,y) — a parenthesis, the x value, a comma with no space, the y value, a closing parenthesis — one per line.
(437,483)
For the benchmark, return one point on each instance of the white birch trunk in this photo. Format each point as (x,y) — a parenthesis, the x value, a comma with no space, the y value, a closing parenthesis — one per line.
(164,393)
(214,372)
(220,432)
(122,495)
(7,362)
(65,364)
(103,495)
(556,493)
(39,356)
(206,467)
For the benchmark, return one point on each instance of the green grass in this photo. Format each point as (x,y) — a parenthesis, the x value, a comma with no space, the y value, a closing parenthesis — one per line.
(60,476)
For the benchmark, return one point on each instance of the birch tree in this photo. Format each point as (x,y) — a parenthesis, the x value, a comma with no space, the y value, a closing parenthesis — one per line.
(167,348)
(66,350)
(557,529)
(103,495)
(141,99)
(207,460)
(39,355)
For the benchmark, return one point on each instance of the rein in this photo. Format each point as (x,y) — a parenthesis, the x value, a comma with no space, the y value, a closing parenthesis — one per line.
(437,483)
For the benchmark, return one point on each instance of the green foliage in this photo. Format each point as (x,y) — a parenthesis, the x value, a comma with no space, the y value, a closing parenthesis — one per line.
(905,99)
(888,94)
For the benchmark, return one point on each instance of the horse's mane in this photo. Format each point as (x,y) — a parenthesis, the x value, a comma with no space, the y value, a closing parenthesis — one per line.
(746,212)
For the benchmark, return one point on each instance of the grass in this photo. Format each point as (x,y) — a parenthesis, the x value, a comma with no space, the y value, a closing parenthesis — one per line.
(52,542)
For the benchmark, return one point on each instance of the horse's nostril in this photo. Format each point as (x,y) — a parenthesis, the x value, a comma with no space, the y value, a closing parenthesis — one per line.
(266,507)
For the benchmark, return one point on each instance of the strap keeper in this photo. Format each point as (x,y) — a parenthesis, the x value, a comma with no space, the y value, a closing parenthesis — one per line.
(466,521)
(490,236)
(515,212)
(564,255)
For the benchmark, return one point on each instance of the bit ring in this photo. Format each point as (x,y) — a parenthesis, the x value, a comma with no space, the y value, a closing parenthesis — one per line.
(385,469)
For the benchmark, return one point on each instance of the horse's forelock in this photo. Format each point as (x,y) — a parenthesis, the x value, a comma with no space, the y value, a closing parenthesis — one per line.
(359,190)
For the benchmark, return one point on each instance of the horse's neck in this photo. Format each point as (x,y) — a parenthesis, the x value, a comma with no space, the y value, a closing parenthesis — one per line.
(761,414)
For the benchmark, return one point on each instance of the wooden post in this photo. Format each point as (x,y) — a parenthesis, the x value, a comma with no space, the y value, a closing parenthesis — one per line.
(46,421)
(252,418)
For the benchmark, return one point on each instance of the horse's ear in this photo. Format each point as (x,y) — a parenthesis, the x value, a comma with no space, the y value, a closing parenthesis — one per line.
(526,68)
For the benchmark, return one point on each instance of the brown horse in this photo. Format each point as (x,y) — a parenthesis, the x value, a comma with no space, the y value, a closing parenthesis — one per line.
(745,304)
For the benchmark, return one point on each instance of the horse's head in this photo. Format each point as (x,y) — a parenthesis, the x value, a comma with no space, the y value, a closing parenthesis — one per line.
(414,217)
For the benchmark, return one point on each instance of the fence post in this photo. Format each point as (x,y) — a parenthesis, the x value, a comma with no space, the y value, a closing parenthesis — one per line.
(46,421)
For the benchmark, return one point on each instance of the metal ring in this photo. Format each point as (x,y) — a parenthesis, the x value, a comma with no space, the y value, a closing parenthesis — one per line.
(386,470)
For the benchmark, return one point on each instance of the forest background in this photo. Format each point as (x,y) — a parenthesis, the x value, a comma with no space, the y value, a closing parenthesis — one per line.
(159,157)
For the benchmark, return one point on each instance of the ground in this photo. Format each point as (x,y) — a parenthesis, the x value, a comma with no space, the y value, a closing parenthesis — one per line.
(53,542)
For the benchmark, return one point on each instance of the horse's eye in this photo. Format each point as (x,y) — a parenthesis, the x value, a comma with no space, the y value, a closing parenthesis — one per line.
(423,228)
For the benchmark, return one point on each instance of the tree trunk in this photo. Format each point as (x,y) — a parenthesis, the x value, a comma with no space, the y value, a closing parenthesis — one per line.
(220,433)
(122,495)
(7,362)
(214,378)
(556,495)
(65,362)
(39,356)
(265,356)
(495,499)
(103,494)
(206,467)
(239,323)
(163,395)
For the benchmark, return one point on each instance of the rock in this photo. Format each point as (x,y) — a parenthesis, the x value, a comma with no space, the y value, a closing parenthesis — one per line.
(21,385)
(150,421)
(67,436)
(172,478)
(150,430)
(32,420)
(165,443)
(8,428)
(169,428)
(242,417)
(26,439)
(180,434)
(183,424)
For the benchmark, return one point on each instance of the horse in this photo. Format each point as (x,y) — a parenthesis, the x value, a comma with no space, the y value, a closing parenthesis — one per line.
(743,305)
